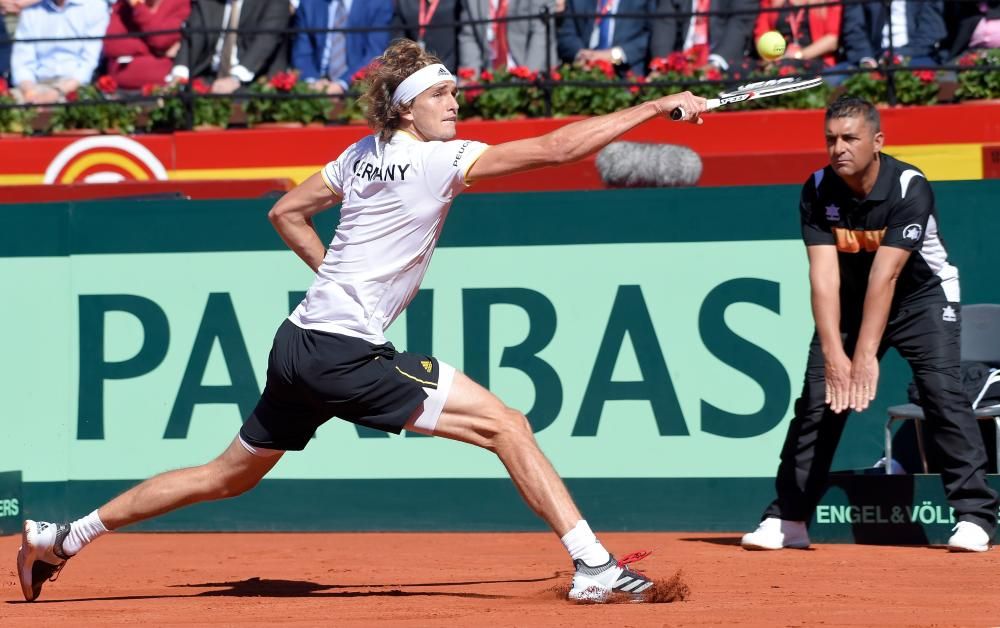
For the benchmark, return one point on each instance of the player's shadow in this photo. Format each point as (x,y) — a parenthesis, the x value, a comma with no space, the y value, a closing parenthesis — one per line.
(729,541)
(263,587)
(714,540)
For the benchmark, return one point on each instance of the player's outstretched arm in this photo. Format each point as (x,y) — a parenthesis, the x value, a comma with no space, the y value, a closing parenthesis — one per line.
(292,218)
(579,139)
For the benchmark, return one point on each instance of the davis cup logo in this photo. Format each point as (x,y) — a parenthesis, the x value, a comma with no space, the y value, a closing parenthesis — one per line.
(104,159)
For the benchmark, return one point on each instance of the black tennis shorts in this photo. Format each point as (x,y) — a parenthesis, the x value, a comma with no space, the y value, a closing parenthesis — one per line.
(313,376)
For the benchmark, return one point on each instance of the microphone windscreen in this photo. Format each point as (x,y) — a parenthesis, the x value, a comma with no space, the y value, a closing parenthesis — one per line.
(635,164)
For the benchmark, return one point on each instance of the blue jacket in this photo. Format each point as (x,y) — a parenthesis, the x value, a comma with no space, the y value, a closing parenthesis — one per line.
(861,34)
(631,34)
(362,47)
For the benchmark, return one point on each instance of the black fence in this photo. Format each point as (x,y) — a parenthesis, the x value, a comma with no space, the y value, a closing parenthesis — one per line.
(888,67)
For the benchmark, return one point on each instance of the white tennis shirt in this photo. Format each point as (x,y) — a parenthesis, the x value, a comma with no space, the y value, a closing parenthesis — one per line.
(395,199)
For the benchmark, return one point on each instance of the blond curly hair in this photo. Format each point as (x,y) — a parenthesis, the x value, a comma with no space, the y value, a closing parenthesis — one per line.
(402,58)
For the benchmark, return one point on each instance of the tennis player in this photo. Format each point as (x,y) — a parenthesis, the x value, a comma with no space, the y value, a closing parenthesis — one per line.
(330,358)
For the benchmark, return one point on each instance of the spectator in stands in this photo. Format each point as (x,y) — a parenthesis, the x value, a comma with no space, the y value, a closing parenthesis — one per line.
(328,60)
(10,10)
(426,22)
(136,61)
(504,44)
(917,29)
(726,35)
(812,34)
(624,42)
(977,26)
(44,72)
(232,59)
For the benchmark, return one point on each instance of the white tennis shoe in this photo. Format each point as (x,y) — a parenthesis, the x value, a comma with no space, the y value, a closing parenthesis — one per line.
(41,555)
(968,537)
(775,534)
(596,584)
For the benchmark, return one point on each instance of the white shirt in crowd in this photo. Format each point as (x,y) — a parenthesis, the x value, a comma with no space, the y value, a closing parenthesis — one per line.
(896,21)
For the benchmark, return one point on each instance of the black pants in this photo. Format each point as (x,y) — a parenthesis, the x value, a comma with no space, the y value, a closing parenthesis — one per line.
(931,345)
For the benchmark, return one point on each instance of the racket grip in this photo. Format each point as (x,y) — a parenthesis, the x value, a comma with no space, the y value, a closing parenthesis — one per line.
(677,113)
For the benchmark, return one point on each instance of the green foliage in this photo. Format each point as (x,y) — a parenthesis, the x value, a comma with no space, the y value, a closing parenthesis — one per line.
(919,87)
(169,114)
(13,120)
(570,100)
(975,84)
(870,86)
(303,110)
(523,98)
(98,109)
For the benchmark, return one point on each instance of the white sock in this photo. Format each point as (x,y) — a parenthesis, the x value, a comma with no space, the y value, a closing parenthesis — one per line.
(581,544)
(83,531)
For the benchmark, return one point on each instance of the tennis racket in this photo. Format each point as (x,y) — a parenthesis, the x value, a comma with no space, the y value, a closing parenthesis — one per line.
(753,91)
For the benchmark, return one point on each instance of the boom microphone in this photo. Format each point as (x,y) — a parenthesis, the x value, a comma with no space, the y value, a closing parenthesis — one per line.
(635,164)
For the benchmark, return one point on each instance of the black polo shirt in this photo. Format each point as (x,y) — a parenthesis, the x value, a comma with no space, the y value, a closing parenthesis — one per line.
(899,212)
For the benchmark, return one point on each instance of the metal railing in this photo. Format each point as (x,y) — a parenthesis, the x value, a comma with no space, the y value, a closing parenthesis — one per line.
(544,80)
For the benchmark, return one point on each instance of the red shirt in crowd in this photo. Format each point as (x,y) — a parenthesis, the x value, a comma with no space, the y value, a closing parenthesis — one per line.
(133,61)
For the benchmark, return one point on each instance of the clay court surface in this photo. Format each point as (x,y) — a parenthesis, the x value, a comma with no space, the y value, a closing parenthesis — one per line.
(492,580)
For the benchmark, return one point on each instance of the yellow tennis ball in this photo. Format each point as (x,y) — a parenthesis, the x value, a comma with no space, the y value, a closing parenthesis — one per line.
(771,45)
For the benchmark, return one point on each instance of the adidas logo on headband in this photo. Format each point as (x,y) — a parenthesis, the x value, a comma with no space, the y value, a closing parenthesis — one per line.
(422,79)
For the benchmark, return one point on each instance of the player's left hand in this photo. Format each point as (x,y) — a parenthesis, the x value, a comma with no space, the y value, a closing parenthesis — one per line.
(864,381)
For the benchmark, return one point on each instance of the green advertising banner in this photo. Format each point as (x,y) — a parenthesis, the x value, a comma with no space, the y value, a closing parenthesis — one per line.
(11,504)
(654,335)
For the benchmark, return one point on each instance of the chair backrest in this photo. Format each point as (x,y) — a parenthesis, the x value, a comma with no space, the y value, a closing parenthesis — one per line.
(981,333)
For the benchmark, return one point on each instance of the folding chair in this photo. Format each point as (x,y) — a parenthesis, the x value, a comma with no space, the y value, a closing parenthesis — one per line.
(980,343)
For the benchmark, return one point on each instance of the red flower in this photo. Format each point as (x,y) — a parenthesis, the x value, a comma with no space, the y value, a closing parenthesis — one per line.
(713,73)
(641,80)
(522,72)
(200,87)
(363,73)
(698,55)
(486,75)
(149,89)
(284,81)
(605,67)
(679,62)
(472,94)
(4,87)
(107,84)
(555,76)
(786,70)
(925,76)
(968,60)
(466,73)
(73,96)
(875,76)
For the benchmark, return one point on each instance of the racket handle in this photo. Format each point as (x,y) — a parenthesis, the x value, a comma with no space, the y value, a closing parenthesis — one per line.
(679,114)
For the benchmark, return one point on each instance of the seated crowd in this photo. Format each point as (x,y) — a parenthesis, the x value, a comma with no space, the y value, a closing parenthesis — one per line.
(142,44)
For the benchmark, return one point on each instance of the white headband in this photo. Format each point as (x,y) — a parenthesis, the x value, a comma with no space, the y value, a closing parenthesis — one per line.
(420,80)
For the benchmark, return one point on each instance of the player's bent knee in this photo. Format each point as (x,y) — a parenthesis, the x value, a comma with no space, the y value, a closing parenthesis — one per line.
(512,430)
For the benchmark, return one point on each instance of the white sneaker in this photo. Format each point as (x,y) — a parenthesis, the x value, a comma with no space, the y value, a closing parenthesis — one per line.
(774,534)
(596,584)
(41,555)
(968,537)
